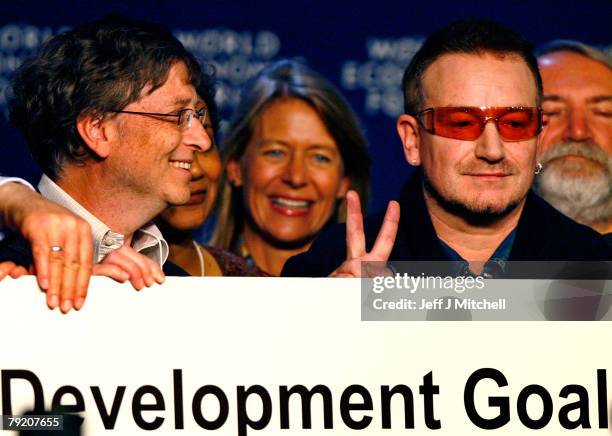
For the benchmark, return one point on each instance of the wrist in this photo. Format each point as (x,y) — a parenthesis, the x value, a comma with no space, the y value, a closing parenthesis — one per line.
(14,199)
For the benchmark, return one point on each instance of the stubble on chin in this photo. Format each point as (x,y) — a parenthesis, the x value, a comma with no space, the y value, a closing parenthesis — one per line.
(477,209)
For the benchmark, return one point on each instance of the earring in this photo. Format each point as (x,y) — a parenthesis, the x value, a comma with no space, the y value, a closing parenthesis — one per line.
(538,169)
(414,162)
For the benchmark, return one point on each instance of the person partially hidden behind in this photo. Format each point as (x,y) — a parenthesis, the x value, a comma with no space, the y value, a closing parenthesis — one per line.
(472,125)
(109,112)
(577,151)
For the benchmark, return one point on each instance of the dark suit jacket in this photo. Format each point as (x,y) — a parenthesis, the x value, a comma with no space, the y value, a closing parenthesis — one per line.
(542,234)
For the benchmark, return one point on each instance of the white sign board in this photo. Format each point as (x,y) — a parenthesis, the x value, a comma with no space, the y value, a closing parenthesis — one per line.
(242,356)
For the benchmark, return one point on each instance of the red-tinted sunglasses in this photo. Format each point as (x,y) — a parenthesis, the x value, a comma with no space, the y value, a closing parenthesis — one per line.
(468,123)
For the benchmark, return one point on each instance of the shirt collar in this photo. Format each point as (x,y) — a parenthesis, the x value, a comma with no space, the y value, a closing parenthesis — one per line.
(147,240)
(493,267)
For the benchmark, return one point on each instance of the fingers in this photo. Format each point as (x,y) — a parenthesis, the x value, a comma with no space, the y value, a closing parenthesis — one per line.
(355,238)
(10,269)
(85,250)
(6,268)
(18,271)
(71,266)
(64,273)
(43,233)
(375,269)
(350,268)
(141,270)
(355,268)
(70,269)
(40,253)
(386,236)
(112,271)
(150,270)
(56,267)
(126,264)
(340,275)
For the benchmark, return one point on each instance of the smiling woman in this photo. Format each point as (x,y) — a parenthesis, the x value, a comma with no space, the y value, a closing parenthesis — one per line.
(293,150)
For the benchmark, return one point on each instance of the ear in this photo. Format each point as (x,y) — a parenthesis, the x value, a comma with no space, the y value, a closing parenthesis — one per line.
(95,133)
(408,130)
(542,137)
(234,173)
(345,184)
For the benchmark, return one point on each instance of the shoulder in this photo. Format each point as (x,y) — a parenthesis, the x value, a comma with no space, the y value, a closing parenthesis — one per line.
(561,237)
(328,250)
(324,255)
(232,265)
(172,269)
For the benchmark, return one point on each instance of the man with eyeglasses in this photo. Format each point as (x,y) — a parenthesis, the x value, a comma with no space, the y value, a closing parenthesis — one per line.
(472,126)
(108,111)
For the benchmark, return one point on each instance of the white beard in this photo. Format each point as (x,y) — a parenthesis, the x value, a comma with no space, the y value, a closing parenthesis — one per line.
(585,197)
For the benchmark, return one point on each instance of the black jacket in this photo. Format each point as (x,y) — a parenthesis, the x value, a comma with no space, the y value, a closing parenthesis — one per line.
(542,234)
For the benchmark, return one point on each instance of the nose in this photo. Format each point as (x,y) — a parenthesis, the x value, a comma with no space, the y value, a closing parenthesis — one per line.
(295,171)
(577,128)
(490,146)
(197,172)
(196,137)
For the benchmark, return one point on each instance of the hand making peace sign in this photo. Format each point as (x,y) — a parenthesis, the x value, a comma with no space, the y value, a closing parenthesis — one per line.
(355,238)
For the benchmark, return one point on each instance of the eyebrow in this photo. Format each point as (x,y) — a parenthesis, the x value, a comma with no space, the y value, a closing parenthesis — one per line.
(600,98)
(554,98)
(594,99)
(326,146)
(266,141)
(180,102)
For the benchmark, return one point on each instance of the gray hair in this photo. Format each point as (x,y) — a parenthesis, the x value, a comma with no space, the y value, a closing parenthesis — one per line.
(575,47)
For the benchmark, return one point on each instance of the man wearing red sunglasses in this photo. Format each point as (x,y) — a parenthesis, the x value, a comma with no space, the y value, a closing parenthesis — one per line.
(472,127)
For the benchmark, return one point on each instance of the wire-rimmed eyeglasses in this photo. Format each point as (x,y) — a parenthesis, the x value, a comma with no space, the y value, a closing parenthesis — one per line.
(184,116)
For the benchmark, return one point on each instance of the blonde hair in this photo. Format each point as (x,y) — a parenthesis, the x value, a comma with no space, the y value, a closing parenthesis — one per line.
(291,79)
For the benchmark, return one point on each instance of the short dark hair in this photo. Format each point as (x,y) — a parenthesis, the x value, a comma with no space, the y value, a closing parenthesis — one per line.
(468,36)
(94,69)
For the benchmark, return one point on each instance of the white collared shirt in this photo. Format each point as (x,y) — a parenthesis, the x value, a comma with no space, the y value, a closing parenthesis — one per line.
(4,180)
(147,240)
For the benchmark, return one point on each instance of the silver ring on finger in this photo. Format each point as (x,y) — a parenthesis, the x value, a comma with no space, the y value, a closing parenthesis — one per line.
(57,248)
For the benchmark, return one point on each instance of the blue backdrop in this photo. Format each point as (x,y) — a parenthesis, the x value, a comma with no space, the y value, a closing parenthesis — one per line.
(361,47)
